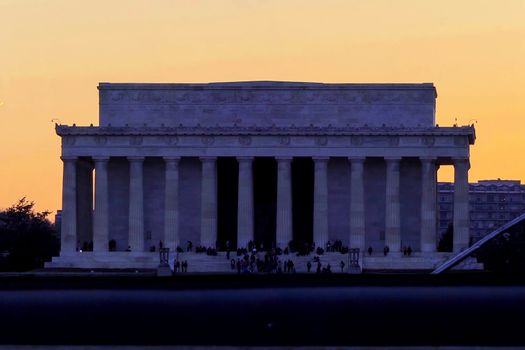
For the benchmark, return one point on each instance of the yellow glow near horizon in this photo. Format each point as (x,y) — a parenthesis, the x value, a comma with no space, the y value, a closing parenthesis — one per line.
(54,53)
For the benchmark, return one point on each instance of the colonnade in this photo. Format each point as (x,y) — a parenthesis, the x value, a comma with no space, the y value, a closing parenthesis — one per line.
(245,221)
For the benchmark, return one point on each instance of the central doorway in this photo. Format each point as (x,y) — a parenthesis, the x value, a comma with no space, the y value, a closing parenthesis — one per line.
(302,201)
(265,199)
(227,189)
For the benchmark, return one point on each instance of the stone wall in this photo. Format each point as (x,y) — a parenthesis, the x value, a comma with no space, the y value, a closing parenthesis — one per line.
(339,199)
(410,202)
(118,184)
(190,200)
(154,180)
(84,204)
(375,187)
(267,104)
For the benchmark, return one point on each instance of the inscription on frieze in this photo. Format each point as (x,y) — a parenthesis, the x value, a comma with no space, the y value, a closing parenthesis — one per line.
(428,140)
(321,140)
(284,140)
(245,140)
(135,140)
(208,140)
(393,141)
(69,140)
(356,140)
(101,140)
(460,141)
(171,140)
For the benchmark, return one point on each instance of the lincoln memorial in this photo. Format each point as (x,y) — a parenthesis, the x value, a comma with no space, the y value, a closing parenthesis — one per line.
(263,162)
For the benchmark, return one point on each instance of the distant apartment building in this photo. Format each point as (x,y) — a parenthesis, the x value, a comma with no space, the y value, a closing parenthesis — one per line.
(492,203)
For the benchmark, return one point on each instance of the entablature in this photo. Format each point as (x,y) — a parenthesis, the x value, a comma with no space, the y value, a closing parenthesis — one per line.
(329,131)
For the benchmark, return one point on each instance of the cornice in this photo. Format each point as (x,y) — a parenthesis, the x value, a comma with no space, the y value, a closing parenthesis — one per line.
(65,130)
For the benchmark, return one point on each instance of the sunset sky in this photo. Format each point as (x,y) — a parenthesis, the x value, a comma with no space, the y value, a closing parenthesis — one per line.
(54,53)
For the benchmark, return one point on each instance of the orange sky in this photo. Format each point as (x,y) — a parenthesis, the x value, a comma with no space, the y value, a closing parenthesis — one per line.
(54,53)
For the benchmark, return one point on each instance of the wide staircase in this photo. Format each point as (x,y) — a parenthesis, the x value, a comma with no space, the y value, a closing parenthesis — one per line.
(202,263)
(220,264)
(108,260)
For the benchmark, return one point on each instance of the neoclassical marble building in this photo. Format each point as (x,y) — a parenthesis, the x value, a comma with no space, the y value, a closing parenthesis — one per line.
(269,162)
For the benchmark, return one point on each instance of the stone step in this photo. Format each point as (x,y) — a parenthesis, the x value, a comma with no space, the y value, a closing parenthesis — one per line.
(200,262)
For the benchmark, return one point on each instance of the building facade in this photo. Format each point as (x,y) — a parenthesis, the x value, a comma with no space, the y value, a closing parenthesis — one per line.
(267,162)
(492,204)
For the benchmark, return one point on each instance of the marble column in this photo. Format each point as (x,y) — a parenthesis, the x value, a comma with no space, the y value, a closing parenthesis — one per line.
(209,202)
(136,204)
(85,197)
(392,206)
(245,202)
(68,233)
(461,204)
(321,201)
(357,204)
(284,233)
(101,215)
(428,205)
(171,203)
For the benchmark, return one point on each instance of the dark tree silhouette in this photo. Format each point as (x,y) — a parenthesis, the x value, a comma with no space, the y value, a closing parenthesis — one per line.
(27,238)
(505,253)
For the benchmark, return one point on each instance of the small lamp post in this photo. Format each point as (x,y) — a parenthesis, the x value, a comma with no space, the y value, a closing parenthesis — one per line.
(164,257)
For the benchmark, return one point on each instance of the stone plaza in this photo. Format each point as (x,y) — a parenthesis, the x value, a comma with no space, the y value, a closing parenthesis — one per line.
(265,162)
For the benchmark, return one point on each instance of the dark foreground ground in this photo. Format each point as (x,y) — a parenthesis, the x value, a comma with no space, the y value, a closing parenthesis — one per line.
(248,310)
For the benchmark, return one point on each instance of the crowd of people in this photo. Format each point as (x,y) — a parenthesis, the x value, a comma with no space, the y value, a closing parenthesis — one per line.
(336,247)
(269,263)
(407,250)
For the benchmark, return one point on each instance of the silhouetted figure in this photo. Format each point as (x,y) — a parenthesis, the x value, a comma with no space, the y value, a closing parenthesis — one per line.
(342,264)
(386,249)
(232,264)
(405,250)
(238,266)
(370,250)
(308,266)
(161,245)
(189,246)
(128,249)
(318,267)
(409,250)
